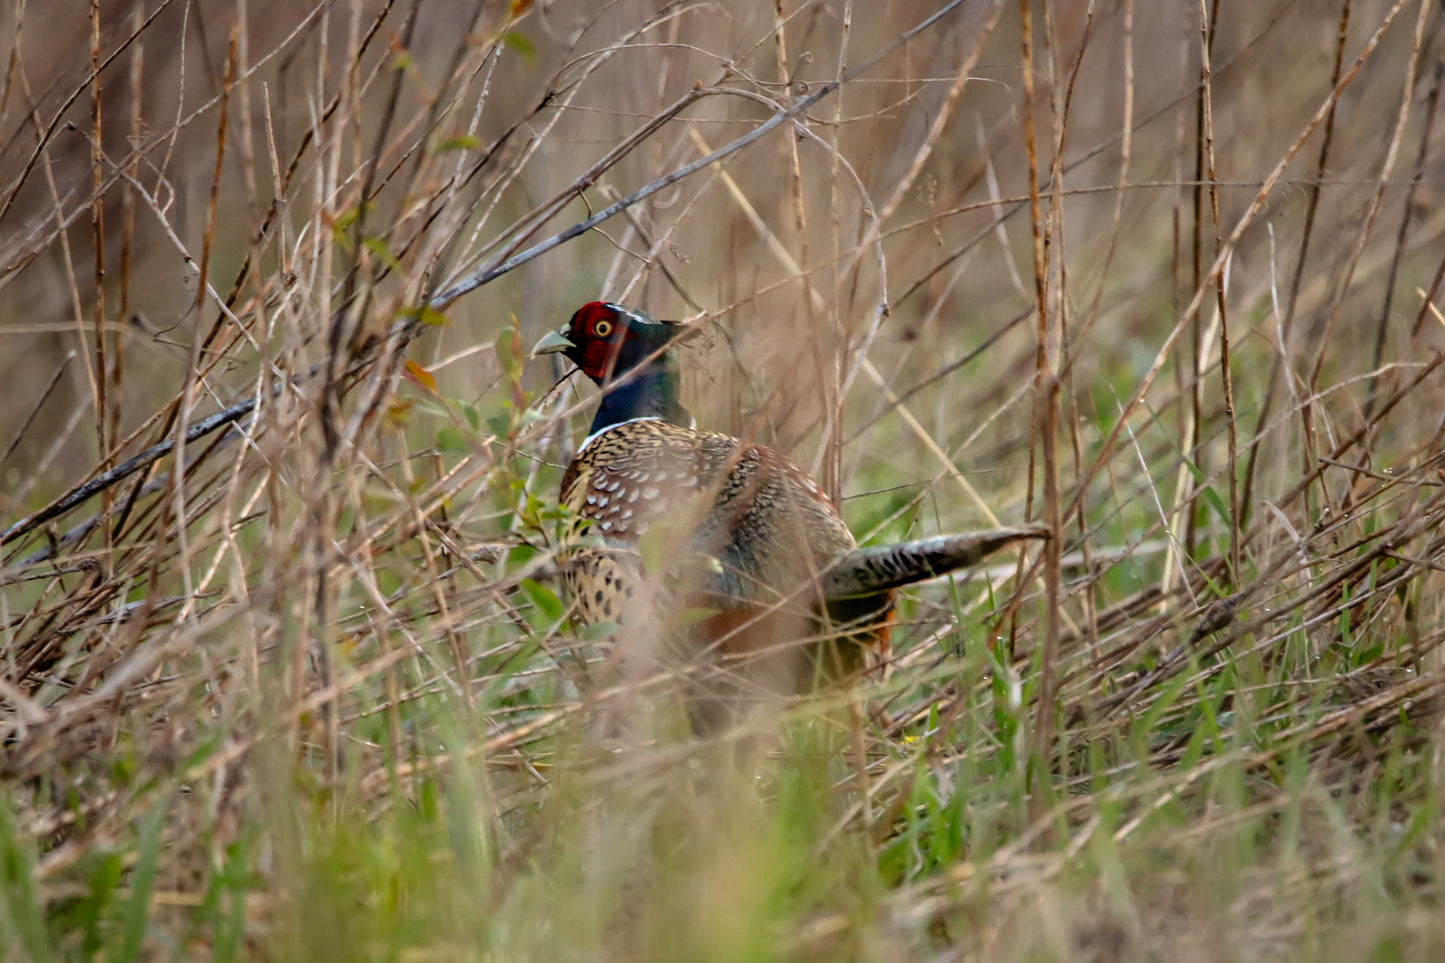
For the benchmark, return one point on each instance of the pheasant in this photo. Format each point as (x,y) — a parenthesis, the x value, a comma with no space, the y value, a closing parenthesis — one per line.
(777,593)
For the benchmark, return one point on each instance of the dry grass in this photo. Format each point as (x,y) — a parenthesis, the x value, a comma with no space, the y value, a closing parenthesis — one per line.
(284,675)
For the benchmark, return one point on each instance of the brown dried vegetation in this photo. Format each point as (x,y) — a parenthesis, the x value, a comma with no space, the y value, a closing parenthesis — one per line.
(283,672)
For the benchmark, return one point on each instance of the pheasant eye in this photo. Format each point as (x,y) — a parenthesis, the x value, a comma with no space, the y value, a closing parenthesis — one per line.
(602,328)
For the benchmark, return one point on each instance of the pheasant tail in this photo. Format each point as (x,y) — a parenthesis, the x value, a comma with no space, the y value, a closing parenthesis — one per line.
(868,571)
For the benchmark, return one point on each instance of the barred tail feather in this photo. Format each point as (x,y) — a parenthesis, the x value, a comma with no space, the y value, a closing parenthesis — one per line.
(882,568)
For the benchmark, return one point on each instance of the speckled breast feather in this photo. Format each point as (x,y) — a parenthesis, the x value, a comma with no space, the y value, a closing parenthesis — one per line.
(757,514)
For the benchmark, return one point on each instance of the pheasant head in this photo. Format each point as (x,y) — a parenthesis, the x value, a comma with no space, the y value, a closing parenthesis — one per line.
(628,354)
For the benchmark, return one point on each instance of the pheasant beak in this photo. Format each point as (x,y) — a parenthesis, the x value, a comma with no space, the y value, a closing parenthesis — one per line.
(554,342)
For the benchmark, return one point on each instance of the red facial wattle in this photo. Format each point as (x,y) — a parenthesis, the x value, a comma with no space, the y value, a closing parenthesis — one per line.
(597,357)
(595,329)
